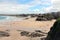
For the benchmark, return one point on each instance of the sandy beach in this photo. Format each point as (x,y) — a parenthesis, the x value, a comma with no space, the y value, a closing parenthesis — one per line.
(27,25)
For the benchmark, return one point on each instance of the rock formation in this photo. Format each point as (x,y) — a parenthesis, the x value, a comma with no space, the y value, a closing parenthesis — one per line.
(4,34)
(54,33)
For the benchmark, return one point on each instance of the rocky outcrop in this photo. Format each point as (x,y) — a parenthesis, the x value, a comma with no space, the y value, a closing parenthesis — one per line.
(24,33)
(41,18)
(35,34)
(4,34)
(54,33)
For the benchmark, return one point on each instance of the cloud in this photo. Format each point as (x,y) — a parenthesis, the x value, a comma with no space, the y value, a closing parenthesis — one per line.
(14,7)
(56,5)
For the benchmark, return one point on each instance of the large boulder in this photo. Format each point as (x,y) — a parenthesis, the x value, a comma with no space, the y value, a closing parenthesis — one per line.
(54,33)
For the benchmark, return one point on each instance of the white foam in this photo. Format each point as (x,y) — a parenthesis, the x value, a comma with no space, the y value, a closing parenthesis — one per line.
(11,18)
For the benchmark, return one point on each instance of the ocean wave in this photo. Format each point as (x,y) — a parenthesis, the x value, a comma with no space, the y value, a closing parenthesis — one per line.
(10,18)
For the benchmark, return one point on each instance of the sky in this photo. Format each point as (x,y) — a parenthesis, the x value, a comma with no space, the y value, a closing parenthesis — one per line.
(28,6)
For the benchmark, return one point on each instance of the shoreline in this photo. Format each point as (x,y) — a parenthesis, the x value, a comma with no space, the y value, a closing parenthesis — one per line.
(29,24)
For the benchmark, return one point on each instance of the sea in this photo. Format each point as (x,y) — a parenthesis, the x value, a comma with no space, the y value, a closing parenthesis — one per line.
(10,18)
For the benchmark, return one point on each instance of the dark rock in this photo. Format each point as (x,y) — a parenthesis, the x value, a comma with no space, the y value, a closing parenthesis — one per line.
(24,33)
(39,31)
(41,18)
(4,34)
(33,34)
(54,33)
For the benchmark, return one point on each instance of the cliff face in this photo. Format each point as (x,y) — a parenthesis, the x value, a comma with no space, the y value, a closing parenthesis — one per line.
(54,33)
